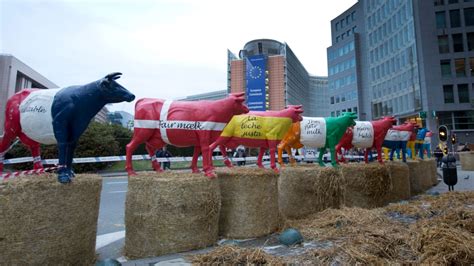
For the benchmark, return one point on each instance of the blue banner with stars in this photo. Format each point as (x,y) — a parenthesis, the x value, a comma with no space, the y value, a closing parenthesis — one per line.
(255,74)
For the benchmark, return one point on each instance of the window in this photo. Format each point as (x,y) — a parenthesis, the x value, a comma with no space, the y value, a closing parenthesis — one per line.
(446,68)
(471,66)
(332,100)
(457,43)
(453,1)
(470,41)
(455,18)
(460,65)
(440,20)
(469,16)
(443,44)
(448,94)
(463,93)
(438,2)
(337,26)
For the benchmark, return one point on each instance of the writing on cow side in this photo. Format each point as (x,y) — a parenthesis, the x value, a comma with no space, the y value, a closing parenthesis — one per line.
(251,127)
(313,127)
(364,132)
(33,109)
(187,125)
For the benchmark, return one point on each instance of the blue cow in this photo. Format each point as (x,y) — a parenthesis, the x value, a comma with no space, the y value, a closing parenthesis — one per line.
(58,116)
(420,140)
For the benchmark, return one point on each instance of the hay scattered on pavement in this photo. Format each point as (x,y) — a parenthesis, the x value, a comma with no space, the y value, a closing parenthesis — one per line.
(232,255)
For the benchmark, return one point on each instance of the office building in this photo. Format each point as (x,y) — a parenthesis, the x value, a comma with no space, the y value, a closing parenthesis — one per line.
(272,77)
(213,95)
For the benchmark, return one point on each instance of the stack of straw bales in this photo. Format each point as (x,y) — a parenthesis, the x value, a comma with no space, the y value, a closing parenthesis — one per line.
(467,160)
(399,176)
(366,185)
(43,222)
(416,174)
(307,189)
(249,202)
(428,168)
(169,213)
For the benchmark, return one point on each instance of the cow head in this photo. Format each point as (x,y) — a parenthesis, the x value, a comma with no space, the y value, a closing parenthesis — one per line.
(351,116)
(390,119)
(296,111)
(112,91)
(238,103)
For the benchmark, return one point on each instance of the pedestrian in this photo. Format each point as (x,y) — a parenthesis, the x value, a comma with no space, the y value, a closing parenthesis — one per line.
(164,153)
(240,153)
(438,153)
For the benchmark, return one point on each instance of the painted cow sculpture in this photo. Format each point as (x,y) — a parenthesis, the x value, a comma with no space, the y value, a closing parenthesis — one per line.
(182,124)
(398,137)
(318,132)
(262,130)
(367,135)
(58,116)
(421,136)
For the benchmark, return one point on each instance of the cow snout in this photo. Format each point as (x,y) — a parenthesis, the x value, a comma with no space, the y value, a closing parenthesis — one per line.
(130,98)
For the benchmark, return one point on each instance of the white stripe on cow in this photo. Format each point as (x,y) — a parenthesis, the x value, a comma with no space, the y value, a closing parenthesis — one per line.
(164,117)
(179,124)
(363,134)
(313,132)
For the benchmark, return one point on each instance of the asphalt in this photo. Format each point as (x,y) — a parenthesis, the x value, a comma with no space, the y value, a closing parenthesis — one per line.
(111,225)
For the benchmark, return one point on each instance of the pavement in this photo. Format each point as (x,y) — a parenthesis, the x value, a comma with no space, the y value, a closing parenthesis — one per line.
(111,225)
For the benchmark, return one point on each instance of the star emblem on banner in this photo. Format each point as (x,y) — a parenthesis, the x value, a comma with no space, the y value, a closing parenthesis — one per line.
(256,72)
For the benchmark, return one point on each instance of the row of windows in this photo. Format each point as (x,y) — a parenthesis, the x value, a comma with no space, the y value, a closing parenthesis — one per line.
(345,21)
(389,5)
(392,45)
(342,82)
(385,11)
(338,112)
(397,84)
(389,28)
(461,68)
(347,96)
(455,18)
(341,51)
(343,66)
(348,33)
(396,105)
(395,64)
(459,44)
(442,2)
(463,93)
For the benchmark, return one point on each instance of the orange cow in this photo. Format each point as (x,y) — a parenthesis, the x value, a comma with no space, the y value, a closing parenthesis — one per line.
(291,140)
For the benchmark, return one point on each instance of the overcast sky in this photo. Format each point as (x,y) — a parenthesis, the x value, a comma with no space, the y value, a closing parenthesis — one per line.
(165,48)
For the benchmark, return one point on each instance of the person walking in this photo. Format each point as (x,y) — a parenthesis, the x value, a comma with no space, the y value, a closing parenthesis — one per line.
(164,153)
(438,153)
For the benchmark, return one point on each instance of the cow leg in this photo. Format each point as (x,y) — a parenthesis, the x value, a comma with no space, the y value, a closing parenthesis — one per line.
(280,148)
(290,155)
(35,150)
(206,155)
(392,150)
(321,153)
(140,135)
(379,152)
(4,145)
(227,161)
(366,155)
(152,153)
(339,152)
(404,152)
(194,168)
(64,176)
(260,158)
(334,162)
(273,150)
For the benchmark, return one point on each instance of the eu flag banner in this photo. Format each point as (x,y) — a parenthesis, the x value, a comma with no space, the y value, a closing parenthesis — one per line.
(255,74)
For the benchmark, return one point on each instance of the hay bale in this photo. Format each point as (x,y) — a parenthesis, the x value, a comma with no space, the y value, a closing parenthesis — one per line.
(431,174)
(249,202)
(467,160)
(169,213)
(366,185)
(43,222)
(304,190)
(416,173)
(399,176)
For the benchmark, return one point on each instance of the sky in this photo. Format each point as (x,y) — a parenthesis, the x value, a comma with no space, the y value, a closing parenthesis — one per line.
(165,49)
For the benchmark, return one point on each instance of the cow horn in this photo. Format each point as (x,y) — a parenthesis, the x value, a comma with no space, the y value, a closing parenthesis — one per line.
(238,94)
(114,76)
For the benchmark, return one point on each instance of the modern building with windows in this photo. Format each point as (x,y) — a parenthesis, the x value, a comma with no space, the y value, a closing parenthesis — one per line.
(413,59)
(213,95)
(272,77)
(121,118)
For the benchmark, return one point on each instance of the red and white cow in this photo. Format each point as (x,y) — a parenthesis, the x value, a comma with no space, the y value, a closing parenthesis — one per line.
(182,124)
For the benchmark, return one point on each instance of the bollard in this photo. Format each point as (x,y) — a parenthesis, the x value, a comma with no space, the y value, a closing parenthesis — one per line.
(450,175)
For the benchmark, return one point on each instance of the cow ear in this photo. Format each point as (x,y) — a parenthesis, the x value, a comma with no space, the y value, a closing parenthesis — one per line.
(240,99)
(238,94)
(113,76)
(104,83)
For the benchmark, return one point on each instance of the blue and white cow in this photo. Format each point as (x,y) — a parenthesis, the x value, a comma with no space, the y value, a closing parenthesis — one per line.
(58,116)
